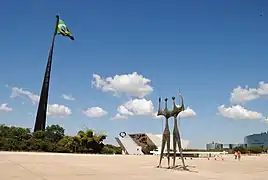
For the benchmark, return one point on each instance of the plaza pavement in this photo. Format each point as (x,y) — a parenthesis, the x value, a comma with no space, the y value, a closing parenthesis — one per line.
(52,166)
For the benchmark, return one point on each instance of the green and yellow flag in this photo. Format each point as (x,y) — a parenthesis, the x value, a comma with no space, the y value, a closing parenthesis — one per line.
(63,29)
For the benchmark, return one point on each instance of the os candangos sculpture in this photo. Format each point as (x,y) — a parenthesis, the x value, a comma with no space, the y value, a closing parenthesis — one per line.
(176,134)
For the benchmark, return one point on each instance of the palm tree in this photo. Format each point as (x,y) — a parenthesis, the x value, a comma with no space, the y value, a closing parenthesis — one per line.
(90,141)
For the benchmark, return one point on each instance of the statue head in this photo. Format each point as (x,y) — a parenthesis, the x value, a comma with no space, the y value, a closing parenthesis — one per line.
(177,109)
(166,113)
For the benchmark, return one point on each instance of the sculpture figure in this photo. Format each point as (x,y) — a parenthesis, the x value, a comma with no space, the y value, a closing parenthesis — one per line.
(176,133)
(166,134)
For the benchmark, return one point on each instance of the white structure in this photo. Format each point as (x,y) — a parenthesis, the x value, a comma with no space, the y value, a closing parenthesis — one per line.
(130,144)
(200,154)
(157,140)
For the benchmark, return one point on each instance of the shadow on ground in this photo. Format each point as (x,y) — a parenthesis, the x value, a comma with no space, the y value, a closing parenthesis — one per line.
(181,168)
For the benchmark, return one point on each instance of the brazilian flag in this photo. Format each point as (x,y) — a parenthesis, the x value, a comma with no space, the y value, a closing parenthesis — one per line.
(63,30)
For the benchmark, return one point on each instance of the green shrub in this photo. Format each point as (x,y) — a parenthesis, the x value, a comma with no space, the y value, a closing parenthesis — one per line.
(53,139)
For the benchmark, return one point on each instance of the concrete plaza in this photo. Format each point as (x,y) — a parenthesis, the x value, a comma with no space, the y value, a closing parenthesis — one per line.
(51,166)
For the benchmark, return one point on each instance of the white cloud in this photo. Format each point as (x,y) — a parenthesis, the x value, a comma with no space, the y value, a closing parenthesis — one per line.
(119,116)
(138,107)
(95,112)
(263,88)
(124,111)
(266,120)
(143,107)
(15,92)
(4,107)
(238,112)
(56,110)
(134,85)
(187,113)
(53,110)
(241,95)
(68,97)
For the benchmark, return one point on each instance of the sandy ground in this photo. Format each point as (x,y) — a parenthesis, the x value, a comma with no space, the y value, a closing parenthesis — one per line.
(51,166)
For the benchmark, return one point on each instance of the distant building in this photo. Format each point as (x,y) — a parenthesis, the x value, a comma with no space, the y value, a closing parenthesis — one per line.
(214,145)
(217,145)
(143,143)
(257,140)
(232,146)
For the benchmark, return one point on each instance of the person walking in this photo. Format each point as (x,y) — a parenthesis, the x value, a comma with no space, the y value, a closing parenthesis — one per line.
(235,154)
(239,155)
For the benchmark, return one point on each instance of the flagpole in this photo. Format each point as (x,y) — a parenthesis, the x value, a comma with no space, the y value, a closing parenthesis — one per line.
(40,122)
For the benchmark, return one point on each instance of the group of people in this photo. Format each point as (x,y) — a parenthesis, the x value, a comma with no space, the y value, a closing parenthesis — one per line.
(237,155)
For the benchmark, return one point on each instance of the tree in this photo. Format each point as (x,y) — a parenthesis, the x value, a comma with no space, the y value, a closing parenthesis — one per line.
(52,139)
(110,149)
(241,149)
(90,141)
(256,150)
(54,133)
(66,144)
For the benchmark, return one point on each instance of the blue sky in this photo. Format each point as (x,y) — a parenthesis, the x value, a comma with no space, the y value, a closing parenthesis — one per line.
(204,48)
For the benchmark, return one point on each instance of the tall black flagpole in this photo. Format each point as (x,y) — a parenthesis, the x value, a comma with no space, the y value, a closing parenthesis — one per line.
(40,122)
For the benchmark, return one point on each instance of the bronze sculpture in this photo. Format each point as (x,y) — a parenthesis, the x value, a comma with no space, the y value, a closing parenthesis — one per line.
(166,134)
(176,133)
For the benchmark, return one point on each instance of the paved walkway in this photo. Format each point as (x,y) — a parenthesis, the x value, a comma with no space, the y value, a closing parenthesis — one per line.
(51,166)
